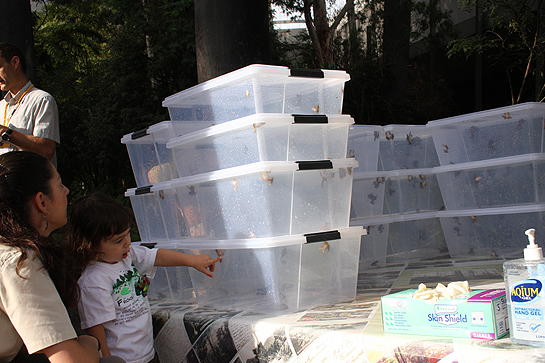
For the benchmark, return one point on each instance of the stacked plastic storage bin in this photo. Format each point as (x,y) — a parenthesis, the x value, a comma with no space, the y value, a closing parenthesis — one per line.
(491,177)
(397,196)
(260,177)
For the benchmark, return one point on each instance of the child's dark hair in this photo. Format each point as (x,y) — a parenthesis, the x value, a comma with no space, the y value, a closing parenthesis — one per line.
(94,218)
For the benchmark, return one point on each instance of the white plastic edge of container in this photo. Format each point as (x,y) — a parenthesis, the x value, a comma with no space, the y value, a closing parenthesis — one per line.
(375,221)
(508,160)
(359,130)
(246,122)
(126,138)
(485,113)
(492,211)
(404,127)
(342,75)
(241,74)
(414,217)
(392,219)
(254,168)
(264,242)
(150,130)
(370,174)
(406,172)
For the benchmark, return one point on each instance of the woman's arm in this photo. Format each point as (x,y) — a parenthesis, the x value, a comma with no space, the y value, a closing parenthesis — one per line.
(72,351)
(202,263)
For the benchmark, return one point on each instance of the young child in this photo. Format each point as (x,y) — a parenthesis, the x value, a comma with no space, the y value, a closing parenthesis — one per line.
(113,305)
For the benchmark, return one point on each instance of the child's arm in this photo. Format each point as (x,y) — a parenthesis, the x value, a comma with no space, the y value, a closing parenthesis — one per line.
(98,332)
(201,263)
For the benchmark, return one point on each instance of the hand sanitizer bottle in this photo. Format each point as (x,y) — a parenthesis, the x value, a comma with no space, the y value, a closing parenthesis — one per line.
(524,282)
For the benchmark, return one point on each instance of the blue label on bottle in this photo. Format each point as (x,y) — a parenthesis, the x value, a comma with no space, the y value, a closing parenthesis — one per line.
(526,291)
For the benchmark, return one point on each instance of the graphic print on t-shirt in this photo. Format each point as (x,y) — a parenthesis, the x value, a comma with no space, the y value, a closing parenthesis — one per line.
(130,292)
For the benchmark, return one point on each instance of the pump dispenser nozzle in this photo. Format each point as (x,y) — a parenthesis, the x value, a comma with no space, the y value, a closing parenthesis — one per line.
(532,251)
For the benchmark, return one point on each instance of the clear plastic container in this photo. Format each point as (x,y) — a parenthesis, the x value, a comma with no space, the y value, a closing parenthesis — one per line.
(170,284)
(416,237)
(151,161)
(157,212)
(368,194)
(500,182)
(490,232)
(497,133)
(411,191)
(401,238)
(254,200)
(363,144)
(278,274)
(406,147)
(260,89)
(261,137)
(374,243)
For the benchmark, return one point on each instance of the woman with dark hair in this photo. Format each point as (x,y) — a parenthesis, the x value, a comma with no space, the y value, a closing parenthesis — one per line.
(34,277)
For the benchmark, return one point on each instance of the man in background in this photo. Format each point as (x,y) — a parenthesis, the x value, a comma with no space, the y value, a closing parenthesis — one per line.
(29,116)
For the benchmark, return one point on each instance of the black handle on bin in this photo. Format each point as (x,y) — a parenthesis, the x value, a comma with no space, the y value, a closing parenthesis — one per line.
(143,190)
(138,134)
(310,119)
(310,73)
(322,236)
(149,245)
(315,165)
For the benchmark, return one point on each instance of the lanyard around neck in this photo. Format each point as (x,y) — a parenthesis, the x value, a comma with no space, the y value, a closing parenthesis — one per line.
(16,106)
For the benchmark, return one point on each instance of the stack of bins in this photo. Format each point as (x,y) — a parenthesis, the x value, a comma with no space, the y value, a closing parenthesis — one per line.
(260,178)
(491,177)
(397,197)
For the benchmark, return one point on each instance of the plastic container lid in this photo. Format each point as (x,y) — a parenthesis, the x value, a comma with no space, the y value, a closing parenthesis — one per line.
(370,174)
(487,113)
(392,219)
(265,242)
(161,126)
(406,172)
(509,160)
(404,127)
(413,217)
(250,71)
(264,166)
(375,221)
(493,211)
(278,118)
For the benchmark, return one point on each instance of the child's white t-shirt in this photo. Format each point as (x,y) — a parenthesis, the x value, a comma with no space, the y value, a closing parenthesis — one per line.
(115,295)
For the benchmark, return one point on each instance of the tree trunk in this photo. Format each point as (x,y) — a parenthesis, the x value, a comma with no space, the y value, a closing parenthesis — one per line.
(539,53)
(16,28)
(478,61)
(230,34)
(397,17)
(321,23)
(151,9)
(321,33)
(353,32)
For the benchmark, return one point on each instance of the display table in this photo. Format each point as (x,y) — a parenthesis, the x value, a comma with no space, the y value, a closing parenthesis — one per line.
(344,332)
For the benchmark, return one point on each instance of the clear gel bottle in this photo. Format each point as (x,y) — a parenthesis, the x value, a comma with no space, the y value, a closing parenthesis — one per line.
(525,291)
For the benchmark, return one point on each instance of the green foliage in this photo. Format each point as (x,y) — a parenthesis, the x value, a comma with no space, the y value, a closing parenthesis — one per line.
(109,64)
(432,22)
(512,41)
